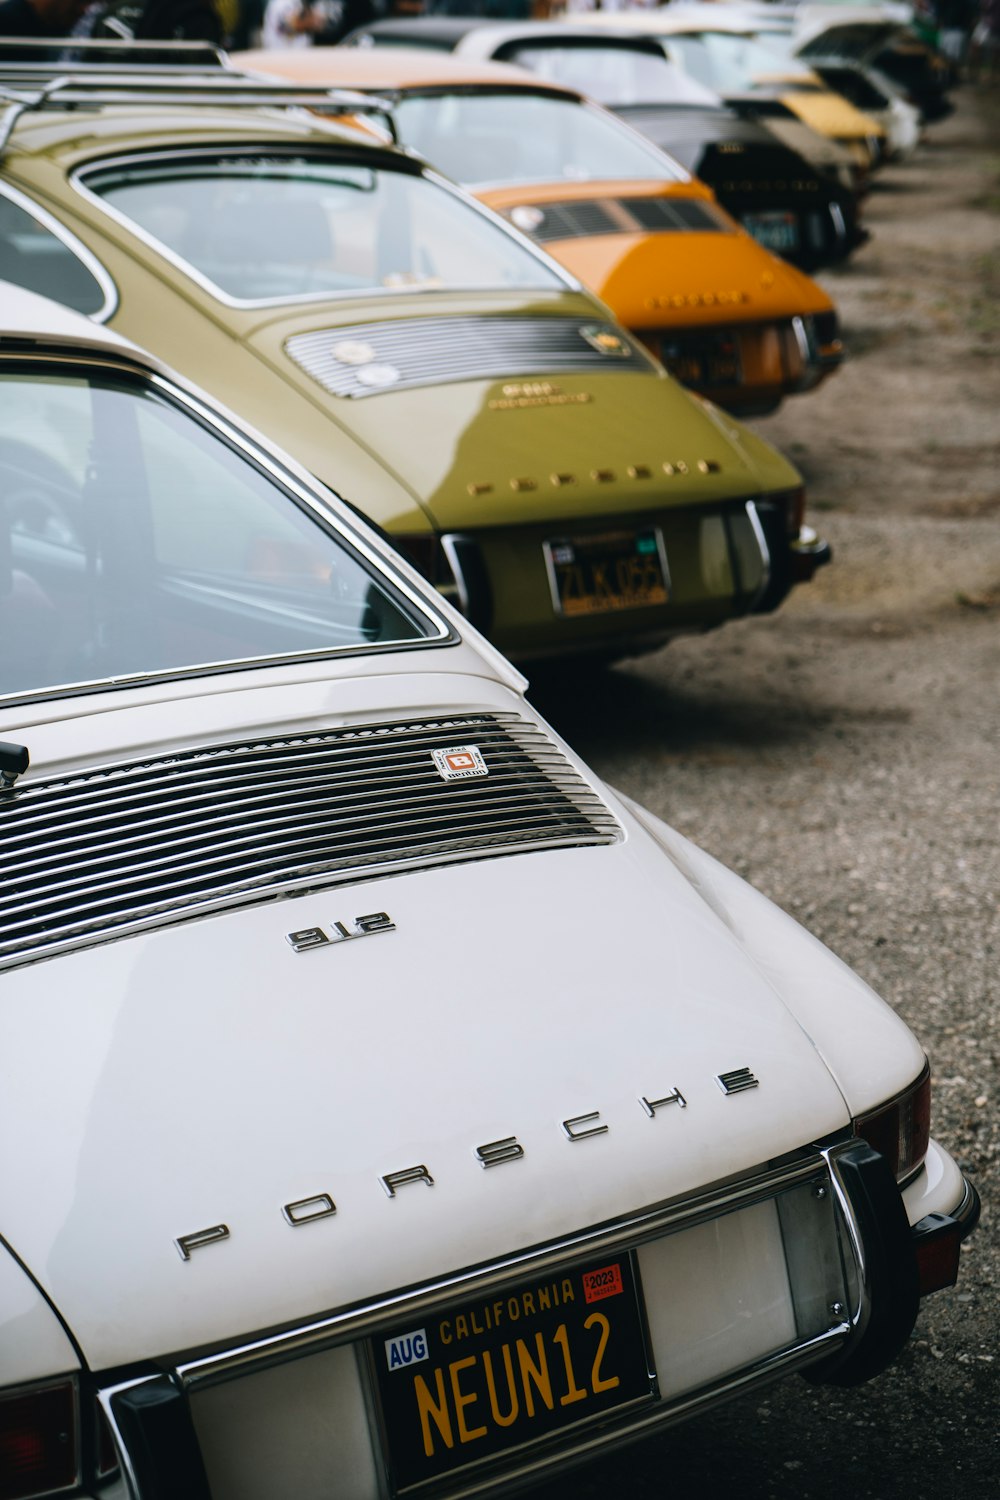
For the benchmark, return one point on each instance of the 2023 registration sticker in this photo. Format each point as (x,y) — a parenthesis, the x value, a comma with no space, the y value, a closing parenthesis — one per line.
(509,1369)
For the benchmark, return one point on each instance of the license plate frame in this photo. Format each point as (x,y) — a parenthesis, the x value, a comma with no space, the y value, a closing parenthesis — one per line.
(607,573)
(778,230)
(589,1351)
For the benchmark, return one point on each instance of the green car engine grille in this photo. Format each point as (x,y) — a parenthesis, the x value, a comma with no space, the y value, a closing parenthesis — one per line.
(365,359)
(118,849)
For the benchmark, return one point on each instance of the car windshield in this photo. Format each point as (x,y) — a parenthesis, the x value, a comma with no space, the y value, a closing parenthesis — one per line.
(265,228)
(612,75)
(729,62)
(517,136)
(134,539)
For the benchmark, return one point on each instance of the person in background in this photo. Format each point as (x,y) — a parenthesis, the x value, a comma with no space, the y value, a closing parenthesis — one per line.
(956,19)
(312,23)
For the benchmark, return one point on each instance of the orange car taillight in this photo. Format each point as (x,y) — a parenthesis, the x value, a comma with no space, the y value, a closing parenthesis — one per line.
(900,1130)
(39,1441)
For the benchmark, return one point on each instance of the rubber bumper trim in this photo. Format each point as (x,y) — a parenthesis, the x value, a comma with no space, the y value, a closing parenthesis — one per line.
(890,1284)
(153,1422)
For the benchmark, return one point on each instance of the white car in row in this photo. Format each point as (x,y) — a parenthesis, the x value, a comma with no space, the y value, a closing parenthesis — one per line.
(387,1107)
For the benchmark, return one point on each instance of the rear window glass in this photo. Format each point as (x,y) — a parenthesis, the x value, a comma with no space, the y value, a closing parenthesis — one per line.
(729,62)
(520,137)
(34,257)
(269,228)
(135,540)
(611,75)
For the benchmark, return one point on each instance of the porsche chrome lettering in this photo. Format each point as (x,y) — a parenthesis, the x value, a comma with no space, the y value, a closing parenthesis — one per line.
(308,938)
(491,1154)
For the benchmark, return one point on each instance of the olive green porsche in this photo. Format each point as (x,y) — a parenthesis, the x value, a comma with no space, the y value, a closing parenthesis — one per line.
(428,364)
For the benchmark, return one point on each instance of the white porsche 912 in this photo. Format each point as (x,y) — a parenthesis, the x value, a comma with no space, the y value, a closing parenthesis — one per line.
(580,1135)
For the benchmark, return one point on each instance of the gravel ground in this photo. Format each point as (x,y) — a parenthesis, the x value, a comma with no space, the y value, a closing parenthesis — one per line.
(844,756)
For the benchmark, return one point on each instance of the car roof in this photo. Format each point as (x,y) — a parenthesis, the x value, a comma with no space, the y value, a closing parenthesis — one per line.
(686,18)
(27,316)
(104,129)
(392,67)
(88,114)
(439,31)
(492,34)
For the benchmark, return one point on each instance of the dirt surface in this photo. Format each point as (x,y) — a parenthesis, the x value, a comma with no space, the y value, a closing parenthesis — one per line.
(844,755)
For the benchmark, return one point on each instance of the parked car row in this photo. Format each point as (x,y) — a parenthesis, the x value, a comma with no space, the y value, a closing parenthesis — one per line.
(589,1136)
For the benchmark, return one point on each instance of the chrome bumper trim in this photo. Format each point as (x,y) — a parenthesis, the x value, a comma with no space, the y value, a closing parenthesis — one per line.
(815,1165)
(967,1213)
(367,1319)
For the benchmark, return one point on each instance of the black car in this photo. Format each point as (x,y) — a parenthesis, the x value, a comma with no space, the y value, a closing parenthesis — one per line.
(795,207)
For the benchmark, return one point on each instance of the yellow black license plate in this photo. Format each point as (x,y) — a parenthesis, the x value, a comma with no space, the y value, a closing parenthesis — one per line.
(509,1369)
(593,575)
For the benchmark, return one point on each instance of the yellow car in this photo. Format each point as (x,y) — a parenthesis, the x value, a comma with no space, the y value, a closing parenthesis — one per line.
(724,315)
(724,54)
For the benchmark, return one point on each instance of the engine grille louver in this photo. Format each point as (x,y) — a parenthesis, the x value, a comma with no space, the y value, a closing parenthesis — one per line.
(567,221)
(117,849)
(673,214)
(576,219)
(430,351)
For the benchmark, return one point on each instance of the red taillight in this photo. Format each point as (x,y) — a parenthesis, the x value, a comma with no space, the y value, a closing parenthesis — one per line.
(795,511)
(901,1129)
(38,1441)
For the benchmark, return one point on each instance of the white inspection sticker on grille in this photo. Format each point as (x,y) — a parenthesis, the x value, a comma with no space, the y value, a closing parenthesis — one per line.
(460,763)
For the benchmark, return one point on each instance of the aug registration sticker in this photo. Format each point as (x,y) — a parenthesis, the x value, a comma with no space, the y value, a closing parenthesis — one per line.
(460,763)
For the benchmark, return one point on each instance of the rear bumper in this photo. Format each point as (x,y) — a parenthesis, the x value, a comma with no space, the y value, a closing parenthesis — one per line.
(815,1254)
(748,368)
(720,561)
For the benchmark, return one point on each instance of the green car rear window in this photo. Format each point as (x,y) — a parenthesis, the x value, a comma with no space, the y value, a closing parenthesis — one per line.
(266,228)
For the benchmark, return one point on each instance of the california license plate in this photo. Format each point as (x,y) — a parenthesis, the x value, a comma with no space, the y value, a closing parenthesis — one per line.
(593,575)
(775,231)
(511,1368)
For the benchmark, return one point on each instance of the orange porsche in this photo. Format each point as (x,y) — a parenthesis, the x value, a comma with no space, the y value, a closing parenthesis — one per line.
(724,315)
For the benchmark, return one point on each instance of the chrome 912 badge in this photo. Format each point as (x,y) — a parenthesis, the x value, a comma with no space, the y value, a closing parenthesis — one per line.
(460,763)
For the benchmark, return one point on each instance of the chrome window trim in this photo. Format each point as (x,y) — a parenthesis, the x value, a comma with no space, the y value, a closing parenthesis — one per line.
(326,518)
(86,257)
(78,180)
